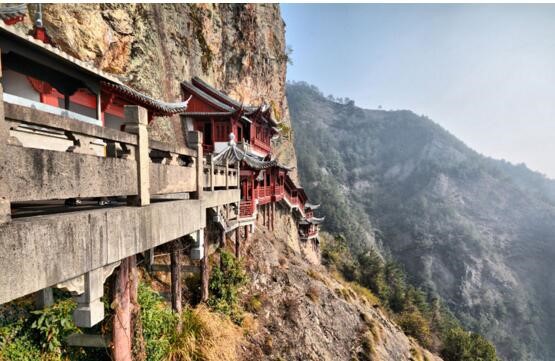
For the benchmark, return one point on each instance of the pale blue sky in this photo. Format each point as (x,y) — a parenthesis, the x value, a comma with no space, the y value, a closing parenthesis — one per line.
(484,72)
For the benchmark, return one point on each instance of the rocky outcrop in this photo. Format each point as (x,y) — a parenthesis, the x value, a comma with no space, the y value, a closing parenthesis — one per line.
(239,48)
(304,313)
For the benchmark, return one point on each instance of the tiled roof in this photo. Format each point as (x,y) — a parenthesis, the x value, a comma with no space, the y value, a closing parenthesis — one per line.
(156,106)
(232,153)
(9,11)
(191,88)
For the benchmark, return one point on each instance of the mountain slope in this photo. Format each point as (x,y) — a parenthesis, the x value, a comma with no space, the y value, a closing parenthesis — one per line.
(478,232)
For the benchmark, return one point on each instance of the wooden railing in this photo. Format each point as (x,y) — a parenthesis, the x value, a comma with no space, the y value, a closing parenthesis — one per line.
(246,209)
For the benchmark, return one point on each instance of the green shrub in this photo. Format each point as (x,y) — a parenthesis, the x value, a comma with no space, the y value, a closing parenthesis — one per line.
(159,323)
(20,349)
(54,324)
(224,286)
(415,325)
(460,345)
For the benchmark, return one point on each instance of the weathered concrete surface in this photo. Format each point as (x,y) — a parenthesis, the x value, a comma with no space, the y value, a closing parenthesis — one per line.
(23,114)
(136,120)
(38,174)
(31,249)
(218,198)
(166,179)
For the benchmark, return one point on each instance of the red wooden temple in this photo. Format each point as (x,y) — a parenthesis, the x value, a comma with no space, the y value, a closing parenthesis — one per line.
(235,132)
(83,93)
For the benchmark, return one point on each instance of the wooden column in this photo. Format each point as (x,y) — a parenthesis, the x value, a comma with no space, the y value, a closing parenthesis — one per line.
(222,249)
(138,343)
(237,242)
(263,215)
(247,234)
(124,293)
(136,121)
(204,272)
(5,212)
(273,215)
(176,278)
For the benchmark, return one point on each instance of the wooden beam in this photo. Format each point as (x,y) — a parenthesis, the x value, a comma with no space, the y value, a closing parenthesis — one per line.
(237,242)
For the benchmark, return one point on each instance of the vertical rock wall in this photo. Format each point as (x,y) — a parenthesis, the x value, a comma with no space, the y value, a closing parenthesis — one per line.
(239,48)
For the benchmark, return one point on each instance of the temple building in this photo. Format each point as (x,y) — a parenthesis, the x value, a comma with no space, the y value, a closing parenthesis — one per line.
(237,133)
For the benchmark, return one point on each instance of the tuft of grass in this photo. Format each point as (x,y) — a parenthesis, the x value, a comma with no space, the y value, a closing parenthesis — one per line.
(368,350)
(364,293)
(313,293)
(315,275)
(416,354)
(254,303)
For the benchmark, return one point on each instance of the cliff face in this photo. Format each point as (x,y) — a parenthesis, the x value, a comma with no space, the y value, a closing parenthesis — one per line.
(153,47)
(305,313)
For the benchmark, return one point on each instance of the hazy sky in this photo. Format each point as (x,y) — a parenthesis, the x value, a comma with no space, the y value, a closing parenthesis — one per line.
(484,72)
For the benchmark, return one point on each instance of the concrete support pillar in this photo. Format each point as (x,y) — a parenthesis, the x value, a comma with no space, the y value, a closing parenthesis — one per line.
(176,276)
(149,258)
(197,252)
(90,309)
(204,273)
(136,121)
(194,140)
(44,298)
(5,212)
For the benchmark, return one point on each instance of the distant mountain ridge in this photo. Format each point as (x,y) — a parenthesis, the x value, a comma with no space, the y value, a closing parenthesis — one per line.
(478,232)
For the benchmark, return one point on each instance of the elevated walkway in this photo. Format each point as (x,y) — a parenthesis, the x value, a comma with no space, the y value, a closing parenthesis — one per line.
(156,193)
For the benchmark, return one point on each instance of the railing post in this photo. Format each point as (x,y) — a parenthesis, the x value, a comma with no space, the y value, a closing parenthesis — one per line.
(211,158)
(5,213)
(136,121)
(226,174)
(194,140)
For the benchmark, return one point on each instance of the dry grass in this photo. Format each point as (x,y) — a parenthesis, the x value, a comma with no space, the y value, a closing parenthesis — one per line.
(416,354)
(315,275)
(368,349)
(364,294)
(207,336)
(373,326)
(249,324)
(313,293)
